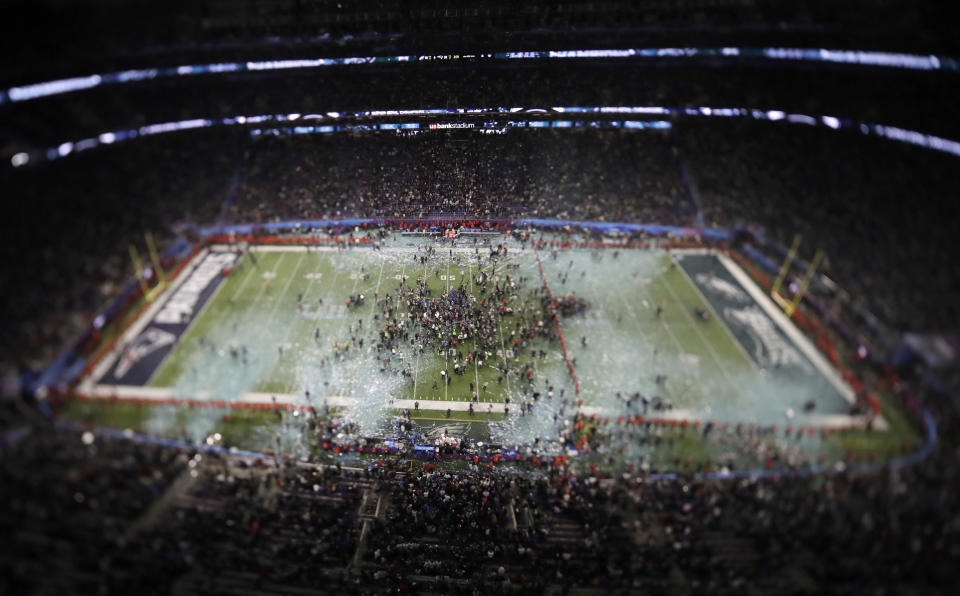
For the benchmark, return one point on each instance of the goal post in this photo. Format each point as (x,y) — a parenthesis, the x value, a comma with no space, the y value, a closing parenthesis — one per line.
(138,267)
(785,267)
(790,306)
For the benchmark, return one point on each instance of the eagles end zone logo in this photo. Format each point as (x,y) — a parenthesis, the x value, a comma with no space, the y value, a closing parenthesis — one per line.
(146,343)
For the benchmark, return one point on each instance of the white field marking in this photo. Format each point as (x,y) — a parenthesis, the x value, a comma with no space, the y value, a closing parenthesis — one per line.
(692,251)
(831,421)
(416,370)
(710,348)
(146,318)
(631,310)
(292,323)
(641,325)
(299,248)
(716,317)
(263,287)
(523,305)
(503,346)
(680,350)
(633,313)
(130,391)
(193,322)
(347,316)
(668,390)
(256,300)
(844,421)
(376,291)
(336,276)
(446,391)
(286,287)
(787,327)
(798,338)
(476,367)
(243,284)
(456,250)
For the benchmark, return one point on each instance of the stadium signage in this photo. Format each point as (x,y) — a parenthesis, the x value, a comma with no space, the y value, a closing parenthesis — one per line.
(142,355)
(443,125)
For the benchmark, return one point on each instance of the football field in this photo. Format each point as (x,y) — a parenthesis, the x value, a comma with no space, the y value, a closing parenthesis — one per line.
(433,325)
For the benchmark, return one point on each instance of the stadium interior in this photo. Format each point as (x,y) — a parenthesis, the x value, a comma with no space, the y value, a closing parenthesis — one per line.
(322,296)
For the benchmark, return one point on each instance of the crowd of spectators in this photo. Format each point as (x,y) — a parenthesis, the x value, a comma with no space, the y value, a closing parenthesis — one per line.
(612,176)
(70,503)
(888,250)
(875,208)
(65,249)
(109,515)
(88,512)
(91,513)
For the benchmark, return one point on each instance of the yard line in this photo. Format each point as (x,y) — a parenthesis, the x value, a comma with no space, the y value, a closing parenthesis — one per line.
(663,324)
(277,302)
(243,283)
(636,317)
(523,302)
(736,342)
(470,266)
(191,329)
(250,272)
(446,357)
(476,367)
(710,348)
(376,290)
(286,287)
(291,324)
(416,370)
(639,324)
(256,299)
(223,329)
(346,317)
(502,345)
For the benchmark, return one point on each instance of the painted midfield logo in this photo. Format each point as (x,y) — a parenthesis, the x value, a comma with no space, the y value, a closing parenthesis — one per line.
(146,343)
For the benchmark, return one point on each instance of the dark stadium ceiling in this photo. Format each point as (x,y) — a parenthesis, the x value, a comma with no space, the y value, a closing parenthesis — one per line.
(55,37)
(483,120)
(69,38)
(916,100)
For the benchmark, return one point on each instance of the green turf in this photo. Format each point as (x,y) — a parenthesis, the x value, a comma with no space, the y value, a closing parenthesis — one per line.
(289,311)
(247,298)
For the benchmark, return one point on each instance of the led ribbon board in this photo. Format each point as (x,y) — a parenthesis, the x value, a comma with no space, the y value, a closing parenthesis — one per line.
(29,92)
(506,117)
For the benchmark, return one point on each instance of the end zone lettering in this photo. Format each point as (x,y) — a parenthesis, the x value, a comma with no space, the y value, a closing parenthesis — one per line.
(181,305)
(143,355)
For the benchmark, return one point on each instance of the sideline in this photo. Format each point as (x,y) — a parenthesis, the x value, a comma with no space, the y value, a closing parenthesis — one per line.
(799,340)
